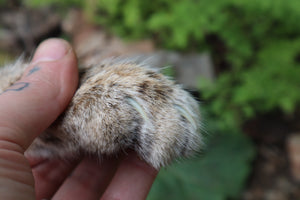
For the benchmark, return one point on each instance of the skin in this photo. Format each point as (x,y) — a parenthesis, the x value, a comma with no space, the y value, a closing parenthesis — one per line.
(26,109)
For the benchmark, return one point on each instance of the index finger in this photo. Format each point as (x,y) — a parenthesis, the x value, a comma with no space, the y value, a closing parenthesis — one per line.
(132,180)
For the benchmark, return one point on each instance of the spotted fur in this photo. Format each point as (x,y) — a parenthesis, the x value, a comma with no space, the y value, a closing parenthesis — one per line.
(121,105)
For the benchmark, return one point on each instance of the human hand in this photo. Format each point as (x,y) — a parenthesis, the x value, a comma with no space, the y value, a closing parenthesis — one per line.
(28,108)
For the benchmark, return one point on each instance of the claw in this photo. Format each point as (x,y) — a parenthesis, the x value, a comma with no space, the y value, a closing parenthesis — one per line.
(138,108)
(187,115)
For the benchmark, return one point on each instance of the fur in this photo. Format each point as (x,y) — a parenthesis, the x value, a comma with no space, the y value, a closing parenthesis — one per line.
(120,104)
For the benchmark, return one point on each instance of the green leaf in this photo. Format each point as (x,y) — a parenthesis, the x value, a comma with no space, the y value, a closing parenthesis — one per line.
(219,174)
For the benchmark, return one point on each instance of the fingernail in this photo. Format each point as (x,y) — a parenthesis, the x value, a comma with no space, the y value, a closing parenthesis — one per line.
(51,50)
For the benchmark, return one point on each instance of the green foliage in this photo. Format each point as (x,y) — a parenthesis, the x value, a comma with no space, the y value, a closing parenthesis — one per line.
(271,83)
(218,175)
(3,2)
(66,3)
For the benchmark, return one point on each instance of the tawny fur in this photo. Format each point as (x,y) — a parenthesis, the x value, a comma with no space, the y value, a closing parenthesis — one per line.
(120,105)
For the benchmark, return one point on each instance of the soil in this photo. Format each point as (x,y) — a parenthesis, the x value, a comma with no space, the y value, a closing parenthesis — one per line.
(271,178)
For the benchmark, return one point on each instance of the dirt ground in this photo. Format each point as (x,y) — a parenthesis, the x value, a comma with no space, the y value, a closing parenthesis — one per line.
(271,178)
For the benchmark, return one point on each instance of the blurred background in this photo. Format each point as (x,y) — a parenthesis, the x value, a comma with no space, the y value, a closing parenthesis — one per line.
(240,59)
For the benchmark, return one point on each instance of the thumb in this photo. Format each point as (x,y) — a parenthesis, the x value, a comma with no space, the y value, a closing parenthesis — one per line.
(31,104)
